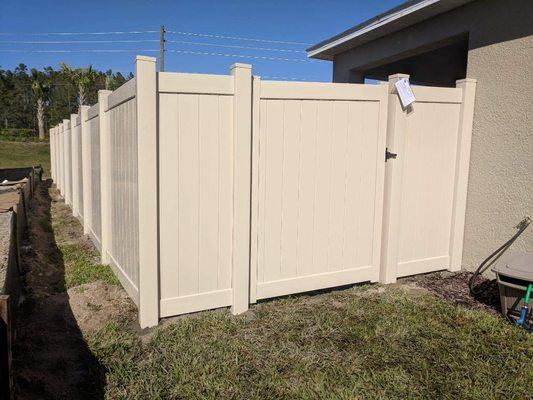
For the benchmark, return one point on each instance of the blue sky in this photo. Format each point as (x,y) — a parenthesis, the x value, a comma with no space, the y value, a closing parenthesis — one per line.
(306,22)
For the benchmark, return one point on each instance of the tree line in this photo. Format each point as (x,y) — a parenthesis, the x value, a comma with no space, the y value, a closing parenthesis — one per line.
(40,99)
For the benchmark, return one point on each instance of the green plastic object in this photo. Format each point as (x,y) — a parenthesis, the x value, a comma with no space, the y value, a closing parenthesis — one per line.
(528,293)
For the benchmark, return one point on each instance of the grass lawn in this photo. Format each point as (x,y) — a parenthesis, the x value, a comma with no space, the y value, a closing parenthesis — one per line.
(360,343)
(366,342)
(25,154)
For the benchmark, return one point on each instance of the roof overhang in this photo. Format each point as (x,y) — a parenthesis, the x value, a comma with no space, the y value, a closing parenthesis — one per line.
(398,18)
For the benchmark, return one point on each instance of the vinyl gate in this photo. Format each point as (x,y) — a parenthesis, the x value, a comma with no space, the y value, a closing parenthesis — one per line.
(206,191)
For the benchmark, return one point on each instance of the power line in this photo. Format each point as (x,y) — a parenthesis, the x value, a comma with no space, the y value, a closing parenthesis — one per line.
(201,53)
(234,46)
(151,31)
(74,41)
(76,33)
(145,41)
(78,51)
(237,38)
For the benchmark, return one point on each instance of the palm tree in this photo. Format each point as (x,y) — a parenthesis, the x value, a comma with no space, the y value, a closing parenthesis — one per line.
(109,79)
(82,78)
(41,90)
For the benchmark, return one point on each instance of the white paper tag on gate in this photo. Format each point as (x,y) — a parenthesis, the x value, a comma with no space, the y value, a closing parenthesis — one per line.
(404,91)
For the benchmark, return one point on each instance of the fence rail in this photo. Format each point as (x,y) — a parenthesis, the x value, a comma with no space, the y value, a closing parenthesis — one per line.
(206,191)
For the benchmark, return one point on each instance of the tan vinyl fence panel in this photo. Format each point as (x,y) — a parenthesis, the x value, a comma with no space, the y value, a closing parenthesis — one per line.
(94,153)
(124,239)
(68,161)
(77,183)
(320,185)
(52,154)
(60,157)
(426,196)
(205,191)
(195,150)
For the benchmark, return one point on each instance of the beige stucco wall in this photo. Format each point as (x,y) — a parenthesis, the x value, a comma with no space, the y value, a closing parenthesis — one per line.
(500,188)
(500,57)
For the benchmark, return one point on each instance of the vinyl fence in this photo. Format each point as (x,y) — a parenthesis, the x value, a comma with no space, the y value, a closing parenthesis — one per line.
(205,191)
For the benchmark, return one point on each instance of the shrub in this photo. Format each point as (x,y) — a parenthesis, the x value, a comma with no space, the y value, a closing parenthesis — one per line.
(19,134)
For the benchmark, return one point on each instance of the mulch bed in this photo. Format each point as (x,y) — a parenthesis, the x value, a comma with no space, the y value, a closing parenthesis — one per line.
(453,286)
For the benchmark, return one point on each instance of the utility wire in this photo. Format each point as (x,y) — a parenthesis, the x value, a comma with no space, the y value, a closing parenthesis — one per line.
(201,53)
(75,33)
(77,51)
(156,50)
(145,41)
(74,41)
(234,46)
(236,38)
(150,31)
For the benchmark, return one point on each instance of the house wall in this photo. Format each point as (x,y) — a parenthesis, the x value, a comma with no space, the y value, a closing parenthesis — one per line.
(500,189)
(500,57)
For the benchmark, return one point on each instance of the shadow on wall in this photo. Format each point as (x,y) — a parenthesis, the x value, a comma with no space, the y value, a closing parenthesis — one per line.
(51,358)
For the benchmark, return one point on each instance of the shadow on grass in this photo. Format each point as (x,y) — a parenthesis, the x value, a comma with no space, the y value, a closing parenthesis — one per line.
(52,359)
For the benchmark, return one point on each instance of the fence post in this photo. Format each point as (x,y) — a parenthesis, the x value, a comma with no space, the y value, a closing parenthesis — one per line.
(51,145)
(86,168)
(74,160)
(393,183)
(105,174)
(462,163)
(146,97)
(58,154)
(54,134)
(59,133)
(61,160)
(256,88)
(67,163)
(242,144)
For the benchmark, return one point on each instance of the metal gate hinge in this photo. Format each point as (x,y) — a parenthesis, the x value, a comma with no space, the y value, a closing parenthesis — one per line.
(388,154)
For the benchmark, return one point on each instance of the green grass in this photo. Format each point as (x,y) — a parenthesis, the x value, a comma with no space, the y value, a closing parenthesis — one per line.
(80,267)
(352,344)
(25,154)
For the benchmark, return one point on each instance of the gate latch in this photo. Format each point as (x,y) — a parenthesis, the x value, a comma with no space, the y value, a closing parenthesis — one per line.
(388,154)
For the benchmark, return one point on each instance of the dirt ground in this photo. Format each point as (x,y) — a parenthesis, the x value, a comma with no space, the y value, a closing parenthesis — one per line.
(453,286)
(52,360)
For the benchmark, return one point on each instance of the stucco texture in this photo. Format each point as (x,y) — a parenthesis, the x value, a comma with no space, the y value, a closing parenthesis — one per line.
(500,187)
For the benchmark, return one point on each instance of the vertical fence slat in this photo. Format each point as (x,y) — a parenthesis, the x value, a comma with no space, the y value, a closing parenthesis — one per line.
(256,85)
(54,135)
(74,165)
(242,126)
(67,162)
(146,96)
(52,152)
(60,158)
(462,165)
(86,169)
(393,184)
(105,174)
